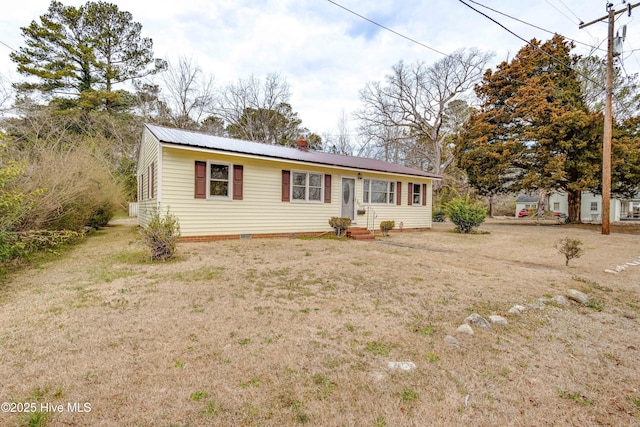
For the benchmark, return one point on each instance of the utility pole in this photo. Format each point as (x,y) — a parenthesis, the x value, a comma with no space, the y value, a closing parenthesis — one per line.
(608,115)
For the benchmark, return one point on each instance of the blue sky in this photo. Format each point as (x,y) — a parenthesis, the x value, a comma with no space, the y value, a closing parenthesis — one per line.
(327,54)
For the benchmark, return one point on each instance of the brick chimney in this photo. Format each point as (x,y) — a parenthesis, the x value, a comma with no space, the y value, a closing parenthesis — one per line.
(302,144)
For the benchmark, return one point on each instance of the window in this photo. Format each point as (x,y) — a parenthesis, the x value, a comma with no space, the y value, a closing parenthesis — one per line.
(218,180)
(594,206)
(556,206)
(416,194)
(378,191)
(306,186)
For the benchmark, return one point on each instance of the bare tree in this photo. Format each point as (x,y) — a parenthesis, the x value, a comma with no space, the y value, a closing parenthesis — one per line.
(340,142)
(413,101)
(248,106)
(6,94)
(189,93)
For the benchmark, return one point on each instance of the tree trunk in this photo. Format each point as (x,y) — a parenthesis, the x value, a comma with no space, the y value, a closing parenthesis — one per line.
(574,199)
(543,202)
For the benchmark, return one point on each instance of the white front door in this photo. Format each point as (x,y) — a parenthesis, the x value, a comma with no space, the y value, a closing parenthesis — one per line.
(348,198)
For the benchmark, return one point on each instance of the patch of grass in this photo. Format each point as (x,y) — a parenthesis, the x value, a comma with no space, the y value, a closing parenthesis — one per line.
(576,397)
(253,382)
(244,341)
(212,409)
(408,395)
(326,385)
(595,305)
(34,419)
(378,348)
(432,357)
(198,395)
(380,421)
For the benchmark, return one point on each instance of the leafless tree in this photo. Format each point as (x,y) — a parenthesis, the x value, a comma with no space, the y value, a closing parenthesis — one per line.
(6,94)
(413,101)
(248,105)
(189,93)
(341,141)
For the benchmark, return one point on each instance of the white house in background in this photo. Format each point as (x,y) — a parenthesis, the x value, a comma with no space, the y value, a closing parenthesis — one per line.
(590,207)
(228,188)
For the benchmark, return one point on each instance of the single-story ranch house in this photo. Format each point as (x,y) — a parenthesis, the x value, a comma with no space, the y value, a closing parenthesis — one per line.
(228,188)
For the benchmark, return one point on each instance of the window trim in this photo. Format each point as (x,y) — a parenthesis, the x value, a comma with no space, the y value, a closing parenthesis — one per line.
(391,196)
(229,166)
(420,193)
(594,206)
(306,187)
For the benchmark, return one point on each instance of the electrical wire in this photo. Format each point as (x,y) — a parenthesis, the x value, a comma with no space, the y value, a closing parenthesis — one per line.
(531,25)
(388,29)
(580,21)
(3,43)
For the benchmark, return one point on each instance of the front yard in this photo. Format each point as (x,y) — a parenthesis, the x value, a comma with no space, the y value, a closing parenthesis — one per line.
(301,331)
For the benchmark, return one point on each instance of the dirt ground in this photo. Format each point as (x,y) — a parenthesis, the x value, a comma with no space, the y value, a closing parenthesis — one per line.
(273,332)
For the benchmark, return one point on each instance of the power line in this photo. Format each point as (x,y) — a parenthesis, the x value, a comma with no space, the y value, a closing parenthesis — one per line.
(387,28)
(580,21)
(563,14)
(3,43)
(531,25)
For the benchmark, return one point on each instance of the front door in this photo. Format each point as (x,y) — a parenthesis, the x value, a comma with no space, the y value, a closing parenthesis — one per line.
(348,198)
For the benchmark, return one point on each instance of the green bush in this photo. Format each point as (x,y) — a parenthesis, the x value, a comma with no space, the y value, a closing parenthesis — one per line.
(340,225)
(161,235)
(464,214)
(439,215)
(101,216)
(386,226)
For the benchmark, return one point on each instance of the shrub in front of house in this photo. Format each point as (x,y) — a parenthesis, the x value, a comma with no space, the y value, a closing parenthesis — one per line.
(386,226)
(439,215)
(161,235)
(340,224)
(464,214)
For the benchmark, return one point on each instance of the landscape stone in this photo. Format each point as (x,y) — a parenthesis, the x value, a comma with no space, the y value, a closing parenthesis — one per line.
(539,305)
(476,320)
(517,309)
(465,329)
(610,271)
(577,296)
(451,340)
(405,366)
(560,300)
(498,320)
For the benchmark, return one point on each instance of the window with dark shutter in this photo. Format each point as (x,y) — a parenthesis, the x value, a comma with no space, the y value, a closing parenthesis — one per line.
(238,172)
(409,193)
(200,180)
(327,188)
(424,194)
(398,193)
(152,191)
(286,186)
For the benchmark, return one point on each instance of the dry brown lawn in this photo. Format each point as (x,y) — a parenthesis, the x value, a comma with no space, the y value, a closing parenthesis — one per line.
(284,332)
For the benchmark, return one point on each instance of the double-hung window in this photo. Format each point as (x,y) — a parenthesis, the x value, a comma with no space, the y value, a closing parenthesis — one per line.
(218,180)
(306,186)
(416,194)
(376,191)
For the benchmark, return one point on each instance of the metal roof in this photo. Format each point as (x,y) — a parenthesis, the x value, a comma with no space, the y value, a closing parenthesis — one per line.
(239,146)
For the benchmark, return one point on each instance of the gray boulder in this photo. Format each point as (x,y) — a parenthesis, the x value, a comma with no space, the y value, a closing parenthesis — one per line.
(577,296)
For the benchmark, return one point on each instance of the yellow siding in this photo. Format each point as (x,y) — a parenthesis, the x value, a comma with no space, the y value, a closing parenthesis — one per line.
(261,210)
(414,216)
(148,155)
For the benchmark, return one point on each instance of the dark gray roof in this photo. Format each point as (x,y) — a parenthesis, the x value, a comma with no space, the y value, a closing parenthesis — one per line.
(526,198)
(201,140)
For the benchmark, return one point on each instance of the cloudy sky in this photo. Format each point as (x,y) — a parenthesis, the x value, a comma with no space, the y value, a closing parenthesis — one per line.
(328,54)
